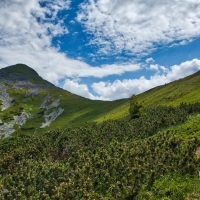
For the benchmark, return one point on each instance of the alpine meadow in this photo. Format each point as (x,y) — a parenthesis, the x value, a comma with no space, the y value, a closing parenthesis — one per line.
(99,100)
(58,145)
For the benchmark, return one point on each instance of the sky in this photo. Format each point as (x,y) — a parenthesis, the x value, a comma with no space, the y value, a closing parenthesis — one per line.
(102,49)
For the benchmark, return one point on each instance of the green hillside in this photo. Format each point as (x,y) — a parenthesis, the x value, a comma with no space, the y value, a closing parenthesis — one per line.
(183,90)
(72,109)
(154,156)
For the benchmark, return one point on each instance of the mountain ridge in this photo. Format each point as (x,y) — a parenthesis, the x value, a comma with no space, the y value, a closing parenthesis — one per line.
(39,104)
(31,104)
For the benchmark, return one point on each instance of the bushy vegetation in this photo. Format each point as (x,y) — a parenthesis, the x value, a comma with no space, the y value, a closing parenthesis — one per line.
(176,186)
(143,158)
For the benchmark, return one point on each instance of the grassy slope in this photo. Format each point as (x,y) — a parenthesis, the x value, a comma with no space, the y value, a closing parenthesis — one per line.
(79,109)
(182,90)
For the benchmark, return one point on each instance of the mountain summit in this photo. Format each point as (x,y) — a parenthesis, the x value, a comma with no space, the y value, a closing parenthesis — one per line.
(29,104)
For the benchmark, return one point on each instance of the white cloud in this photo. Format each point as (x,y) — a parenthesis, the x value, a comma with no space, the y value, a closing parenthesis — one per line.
(24,39)
(123,89)
(76,88)
(149,60)
(54,66)
(154,67)
(73,86)
(138,26)
(26,35)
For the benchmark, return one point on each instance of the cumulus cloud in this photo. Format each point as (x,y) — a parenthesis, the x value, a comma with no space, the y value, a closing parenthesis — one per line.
(76,88)
(154,67)
(137,27)
(27,29)
(26,33)
(124,88)
(149,60)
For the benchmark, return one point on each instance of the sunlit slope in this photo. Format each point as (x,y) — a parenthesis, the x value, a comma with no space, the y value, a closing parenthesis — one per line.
(182,90)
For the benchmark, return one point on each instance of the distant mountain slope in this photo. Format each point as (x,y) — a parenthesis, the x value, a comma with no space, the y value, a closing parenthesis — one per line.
(28,103)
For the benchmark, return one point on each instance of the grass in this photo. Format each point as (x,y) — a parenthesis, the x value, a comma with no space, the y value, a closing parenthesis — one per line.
(182,90)
(190,129)
(78,110)
(173,186)
(171,94)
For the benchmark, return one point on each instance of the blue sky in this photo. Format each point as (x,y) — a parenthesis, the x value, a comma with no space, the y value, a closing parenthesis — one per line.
(102,49)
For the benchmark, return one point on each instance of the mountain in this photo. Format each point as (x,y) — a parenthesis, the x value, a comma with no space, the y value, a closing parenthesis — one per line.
(155,155)
(30,104)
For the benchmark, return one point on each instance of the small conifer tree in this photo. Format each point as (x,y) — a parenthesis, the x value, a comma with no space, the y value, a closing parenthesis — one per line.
(135,107)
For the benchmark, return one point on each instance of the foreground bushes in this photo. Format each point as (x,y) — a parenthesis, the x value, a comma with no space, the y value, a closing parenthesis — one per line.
(114,160)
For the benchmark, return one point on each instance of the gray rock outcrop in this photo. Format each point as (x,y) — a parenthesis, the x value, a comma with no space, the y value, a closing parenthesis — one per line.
(50,115)
(8,128)
(4,97)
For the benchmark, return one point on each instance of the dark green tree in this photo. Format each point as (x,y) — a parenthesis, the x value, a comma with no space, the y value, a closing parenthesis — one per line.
(135,107)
